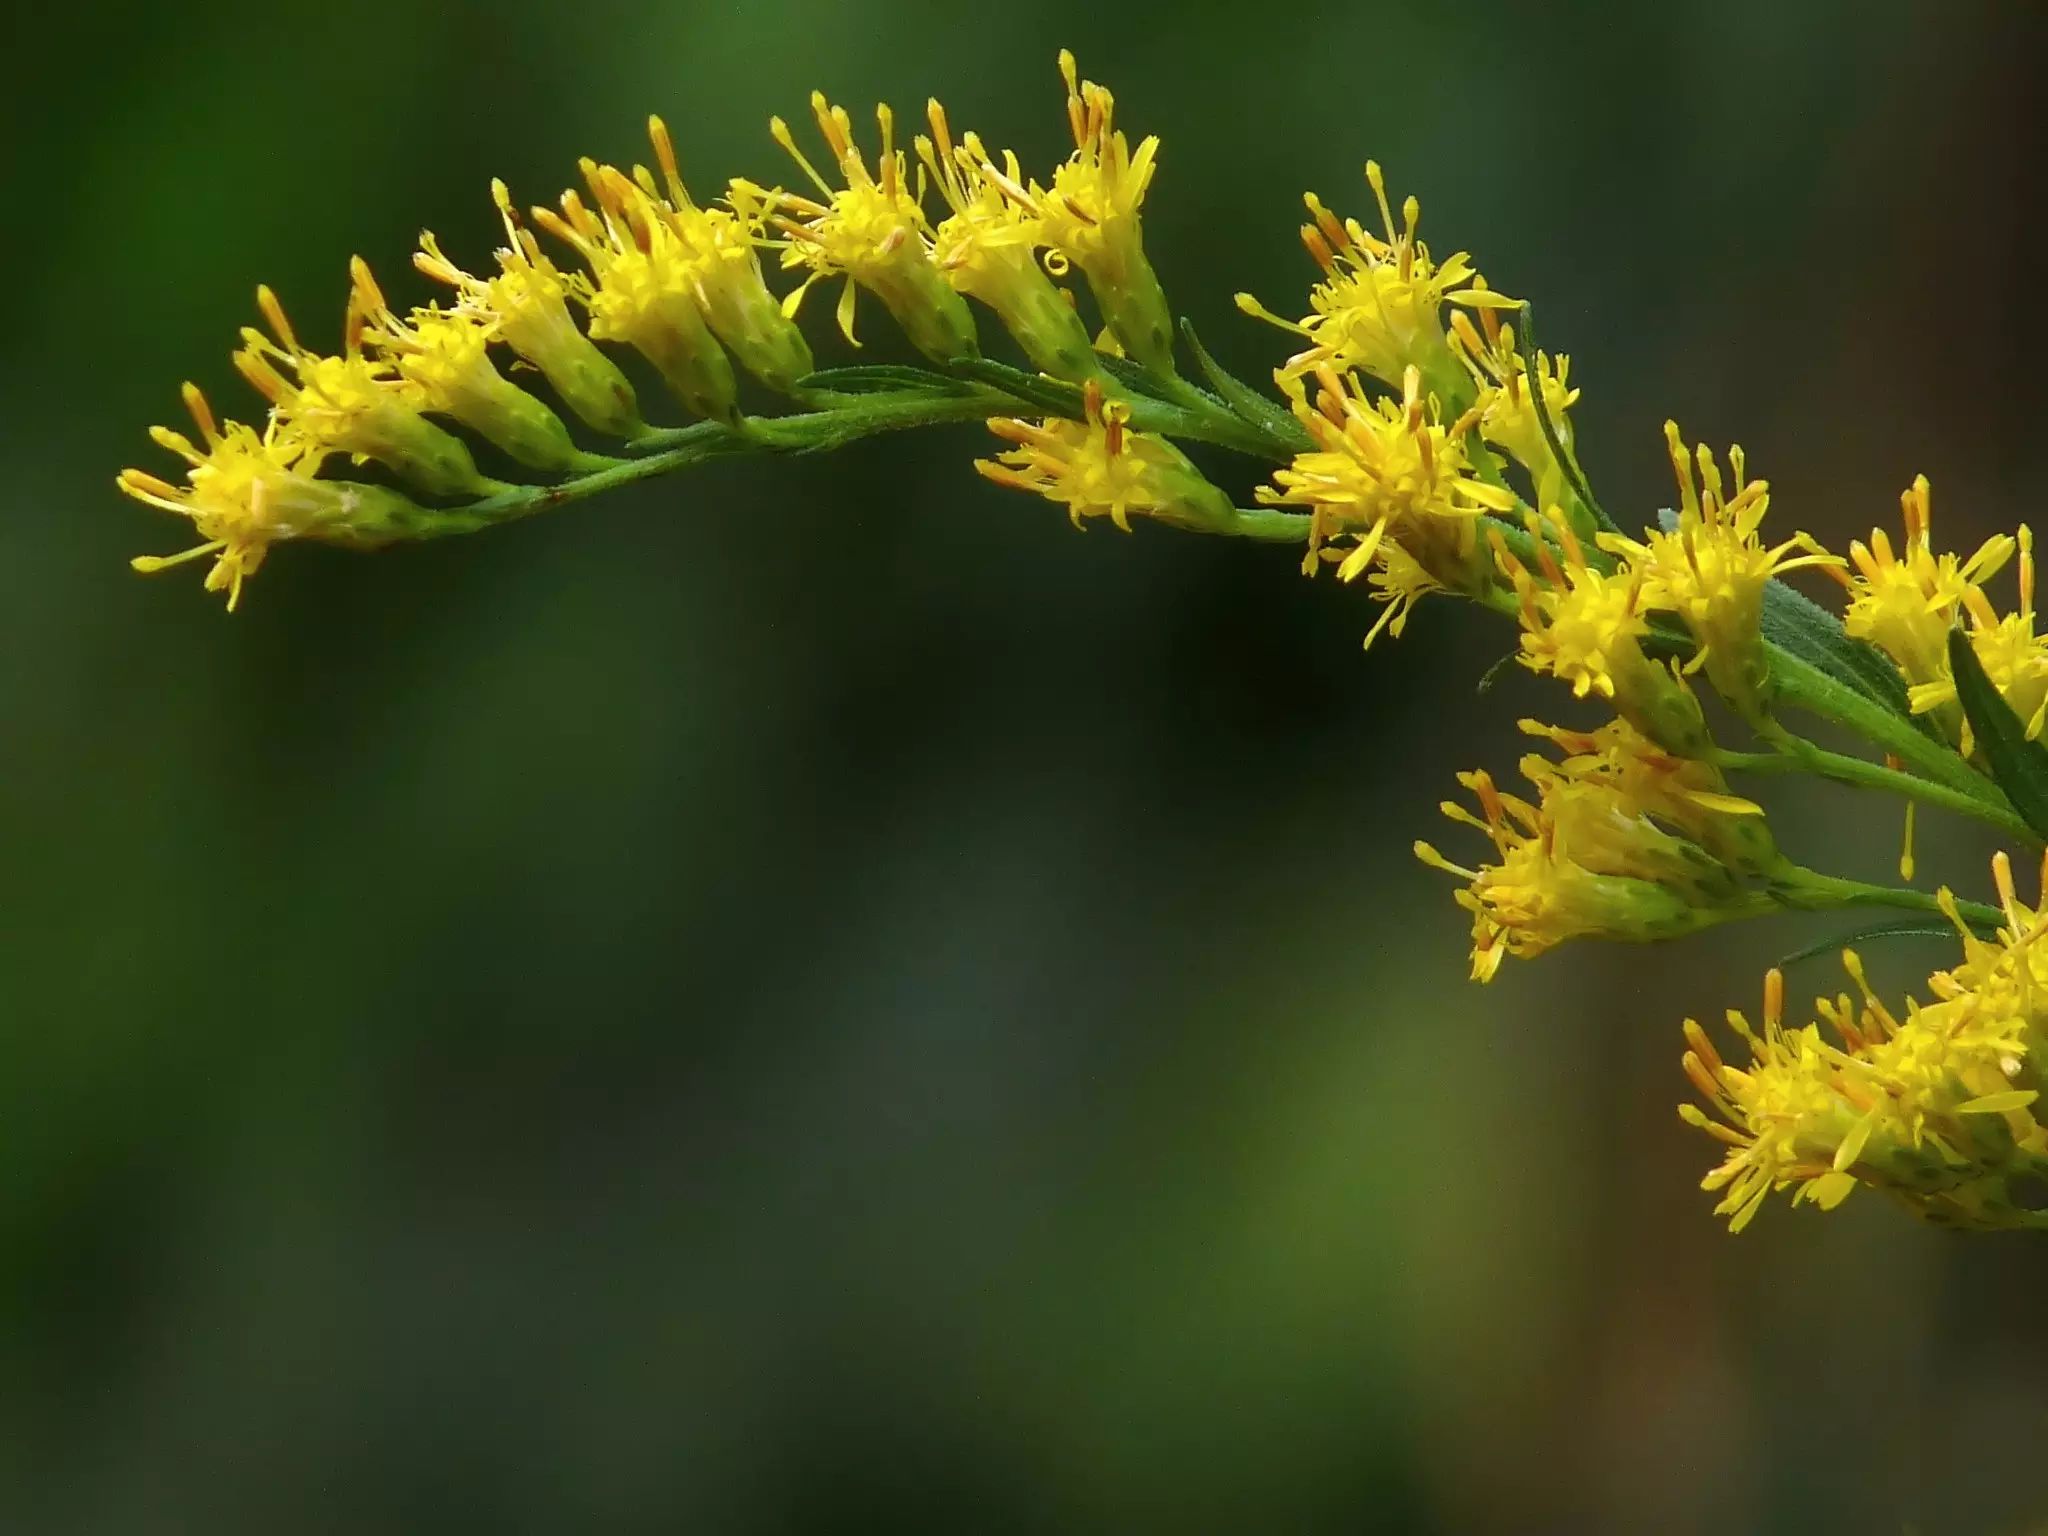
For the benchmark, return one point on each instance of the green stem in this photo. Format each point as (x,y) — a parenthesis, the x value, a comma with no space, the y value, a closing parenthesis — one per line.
(1266,525)
(665,451)
(1806,687)
(1800,889)
(1808,758)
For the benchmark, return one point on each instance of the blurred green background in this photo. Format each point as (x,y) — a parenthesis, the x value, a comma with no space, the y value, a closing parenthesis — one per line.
(811,997)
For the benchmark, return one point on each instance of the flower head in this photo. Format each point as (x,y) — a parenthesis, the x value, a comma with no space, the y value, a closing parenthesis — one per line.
(1090,216)
(349,404)
(1585,626)
(1906,603)
(1711,567)
(1684,793)
(1385,470)
(721,263)
(1100,468)
(1582,863)
(1933,1108)
(642,288)
(2013,655)
(247,490)
(528,301)
(1507,402)
(1379,307)
(874,230)
(987,248)
(444,355)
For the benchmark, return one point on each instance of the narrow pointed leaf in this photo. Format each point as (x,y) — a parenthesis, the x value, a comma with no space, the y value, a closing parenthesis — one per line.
(880,378)
(1796,624)
(1135,377)
(1048,394)
(1246,403)
(2020,766)
(1903,928)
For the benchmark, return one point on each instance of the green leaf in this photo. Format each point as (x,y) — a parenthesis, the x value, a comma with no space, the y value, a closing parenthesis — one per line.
(1136,377)
(1900,928)
(1526,345)
(1797,624)
(2020,766)
(1048,394)
(880,379)
(1244,402)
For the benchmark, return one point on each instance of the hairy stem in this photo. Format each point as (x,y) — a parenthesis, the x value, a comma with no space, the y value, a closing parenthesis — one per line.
(1800,889)
(849,418)
(1806,687)
(1799,756)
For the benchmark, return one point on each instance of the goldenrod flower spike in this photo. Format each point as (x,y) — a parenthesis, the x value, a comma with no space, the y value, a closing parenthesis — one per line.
(350,405)
(987,248)
(444,354)
(1379,307)
(246,490)
(1098,467)
(642,287)
(1711,569)
(1386,470)
(873,230)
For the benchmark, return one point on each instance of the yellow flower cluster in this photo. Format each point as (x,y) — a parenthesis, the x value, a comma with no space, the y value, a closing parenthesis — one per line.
(1388,470)
(1379,308)
(1906,603)
(1935,1108)
(681,284)
(1711,567)
(1624,841)
(1097,467)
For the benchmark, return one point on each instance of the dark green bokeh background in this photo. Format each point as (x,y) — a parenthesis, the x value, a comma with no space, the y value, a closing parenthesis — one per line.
(809,995)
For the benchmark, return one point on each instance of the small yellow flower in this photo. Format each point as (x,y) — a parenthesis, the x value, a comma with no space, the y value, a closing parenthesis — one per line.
(873,230)
(247,490)
(1934,1108)
(1380,305)
(987,248)
(1100,468)
(652,252)
(1906,603)
(722,263)
(1089,215)
(1582,864)
(1683,793)
(528,300)
(2013,655)
(1382,471)
(348,404)
(1399,582)
(444,354)
(642,289)
(1711,568)
(1507,405)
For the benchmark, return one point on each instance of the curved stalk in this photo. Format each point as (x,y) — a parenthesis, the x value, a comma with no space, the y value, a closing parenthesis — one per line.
(1842,769)
(1799,889)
